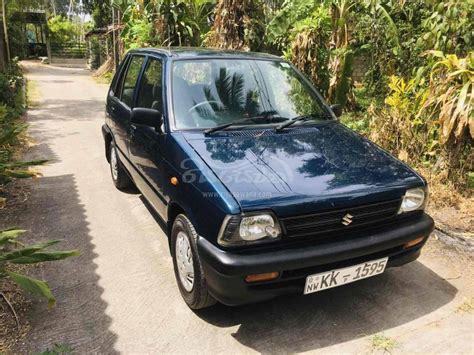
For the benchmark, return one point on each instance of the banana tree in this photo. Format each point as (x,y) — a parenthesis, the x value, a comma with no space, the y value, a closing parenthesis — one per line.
(14,252)
(340,87)
(238,24)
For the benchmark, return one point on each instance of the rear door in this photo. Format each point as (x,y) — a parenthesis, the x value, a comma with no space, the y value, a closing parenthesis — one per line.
(121,101)
(147,143)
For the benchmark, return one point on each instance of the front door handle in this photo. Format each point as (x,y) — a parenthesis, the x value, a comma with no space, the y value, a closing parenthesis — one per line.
(133,128)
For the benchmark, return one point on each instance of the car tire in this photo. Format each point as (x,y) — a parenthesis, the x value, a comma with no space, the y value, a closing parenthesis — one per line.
(186,261)
(119,175)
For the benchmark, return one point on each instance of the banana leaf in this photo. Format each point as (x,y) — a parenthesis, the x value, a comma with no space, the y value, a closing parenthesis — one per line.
(44,256)
(26,251)
(35,286)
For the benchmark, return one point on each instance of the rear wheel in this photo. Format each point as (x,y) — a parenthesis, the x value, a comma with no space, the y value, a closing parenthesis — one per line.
(187,266)
(119,175)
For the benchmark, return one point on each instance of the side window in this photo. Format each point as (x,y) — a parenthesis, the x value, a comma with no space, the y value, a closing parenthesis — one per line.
(118,78)
(130,81)
(150,92)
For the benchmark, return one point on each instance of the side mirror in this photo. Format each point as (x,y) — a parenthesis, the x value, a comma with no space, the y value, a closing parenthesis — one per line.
(147,117)
(337,109)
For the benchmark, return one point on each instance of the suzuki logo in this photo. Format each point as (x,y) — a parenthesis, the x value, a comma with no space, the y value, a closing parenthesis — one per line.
(347,219)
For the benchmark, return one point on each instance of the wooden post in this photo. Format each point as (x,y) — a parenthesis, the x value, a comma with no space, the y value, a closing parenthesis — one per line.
(53,4)
(114,40)
(46,32)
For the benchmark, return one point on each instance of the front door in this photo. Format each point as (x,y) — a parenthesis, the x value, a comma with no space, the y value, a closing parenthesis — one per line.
(146,143)
(122,101)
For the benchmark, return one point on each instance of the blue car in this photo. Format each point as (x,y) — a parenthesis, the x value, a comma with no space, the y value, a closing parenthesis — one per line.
(262,191)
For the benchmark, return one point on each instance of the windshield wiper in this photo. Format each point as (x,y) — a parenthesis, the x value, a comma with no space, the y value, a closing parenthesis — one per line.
(225,125)
(294,120)
(263,115)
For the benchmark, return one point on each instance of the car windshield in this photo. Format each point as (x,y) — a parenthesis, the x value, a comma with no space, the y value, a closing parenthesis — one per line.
(208,93)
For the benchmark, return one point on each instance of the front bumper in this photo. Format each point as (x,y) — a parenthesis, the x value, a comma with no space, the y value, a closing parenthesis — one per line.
(225,271)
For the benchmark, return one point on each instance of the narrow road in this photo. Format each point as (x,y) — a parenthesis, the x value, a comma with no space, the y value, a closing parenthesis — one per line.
(120,295)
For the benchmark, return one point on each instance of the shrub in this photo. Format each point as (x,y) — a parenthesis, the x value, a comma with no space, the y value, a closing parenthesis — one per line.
(11,128)
(431,123)
(452,88)
(11,85)
(450,104)
(10,132)
(398,127)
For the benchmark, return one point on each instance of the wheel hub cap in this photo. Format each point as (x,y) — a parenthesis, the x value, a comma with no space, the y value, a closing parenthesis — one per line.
(184,261)
(113,164)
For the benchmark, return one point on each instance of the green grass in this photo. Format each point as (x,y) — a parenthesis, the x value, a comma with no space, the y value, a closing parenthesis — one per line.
(32,93)
(104,79)
(383,343)
(357,121)
(466,307)
(58,349)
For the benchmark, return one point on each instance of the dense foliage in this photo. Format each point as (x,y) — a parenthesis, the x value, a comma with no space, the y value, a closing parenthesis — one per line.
(62,30)
(162,22)
(416,99)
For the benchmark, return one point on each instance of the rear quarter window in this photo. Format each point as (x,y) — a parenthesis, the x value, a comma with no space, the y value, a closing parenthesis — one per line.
(118,77)
(129,83)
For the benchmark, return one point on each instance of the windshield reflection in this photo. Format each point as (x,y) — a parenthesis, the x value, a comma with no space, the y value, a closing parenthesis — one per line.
(207,93)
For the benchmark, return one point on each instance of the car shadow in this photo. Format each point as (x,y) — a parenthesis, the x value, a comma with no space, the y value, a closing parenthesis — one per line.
(297,323)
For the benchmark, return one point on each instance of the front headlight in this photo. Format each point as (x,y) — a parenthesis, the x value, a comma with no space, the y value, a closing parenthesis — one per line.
(246,229)
(414,199)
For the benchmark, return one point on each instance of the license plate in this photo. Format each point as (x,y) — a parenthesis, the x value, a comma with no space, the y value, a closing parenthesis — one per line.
(338,277)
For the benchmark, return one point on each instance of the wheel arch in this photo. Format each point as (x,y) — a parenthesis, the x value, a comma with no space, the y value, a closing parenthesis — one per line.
(174,209)
(107,140)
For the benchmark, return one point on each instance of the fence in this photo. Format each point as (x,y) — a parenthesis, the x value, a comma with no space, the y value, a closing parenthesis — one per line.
(68,50)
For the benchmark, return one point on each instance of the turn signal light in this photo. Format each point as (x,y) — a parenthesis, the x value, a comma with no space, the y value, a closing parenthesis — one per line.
(262,277)
(413,242)
(174,181)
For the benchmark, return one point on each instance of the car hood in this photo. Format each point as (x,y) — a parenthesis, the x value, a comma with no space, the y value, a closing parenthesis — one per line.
(308,167)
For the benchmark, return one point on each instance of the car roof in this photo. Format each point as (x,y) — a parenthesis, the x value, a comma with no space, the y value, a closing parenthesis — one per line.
(201,52)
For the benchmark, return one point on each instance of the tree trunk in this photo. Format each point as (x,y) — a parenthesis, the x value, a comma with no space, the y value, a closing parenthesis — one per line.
(5,32)
(3,51)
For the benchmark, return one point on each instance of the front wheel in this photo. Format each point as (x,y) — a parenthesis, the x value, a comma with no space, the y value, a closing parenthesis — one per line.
(187,266)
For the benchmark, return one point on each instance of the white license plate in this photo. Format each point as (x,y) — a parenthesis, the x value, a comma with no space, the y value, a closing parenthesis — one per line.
(338,277)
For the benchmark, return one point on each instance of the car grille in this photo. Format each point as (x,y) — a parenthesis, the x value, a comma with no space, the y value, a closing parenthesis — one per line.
(340,221)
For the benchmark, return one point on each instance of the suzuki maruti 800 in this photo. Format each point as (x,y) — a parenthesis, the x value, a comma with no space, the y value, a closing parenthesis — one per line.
(262,191)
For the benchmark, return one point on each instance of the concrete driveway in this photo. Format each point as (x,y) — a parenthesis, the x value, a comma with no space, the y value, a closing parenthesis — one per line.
(120,295)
